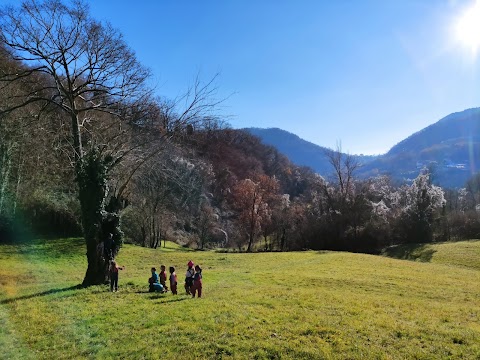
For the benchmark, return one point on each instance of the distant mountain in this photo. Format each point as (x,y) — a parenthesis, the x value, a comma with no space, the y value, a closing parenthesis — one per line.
(450,148)
(299,151)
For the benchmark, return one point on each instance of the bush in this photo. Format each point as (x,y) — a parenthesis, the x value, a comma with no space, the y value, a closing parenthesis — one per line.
(53,214)
(12,229)
(464,225)
(6,229)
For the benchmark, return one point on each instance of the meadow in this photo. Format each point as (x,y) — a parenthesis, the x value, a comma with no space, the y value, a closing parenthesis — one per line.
(297,305)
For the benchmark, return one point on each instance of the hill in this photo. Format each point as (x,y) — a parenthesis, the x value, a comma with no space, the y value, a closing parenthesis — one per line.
(450,148)
(300,151)
(262,306)
(463,254)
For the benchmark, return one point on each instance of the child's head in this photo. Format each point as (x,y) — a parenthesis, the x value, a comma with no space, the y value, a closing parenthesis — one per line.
(190,264)
(162,267)
(153,270)
(198,268)
(172,269)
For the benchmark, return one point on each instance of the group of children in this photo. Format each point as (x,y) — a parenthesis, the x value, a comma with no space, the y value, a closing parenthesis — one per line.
(193,280)
(159,282)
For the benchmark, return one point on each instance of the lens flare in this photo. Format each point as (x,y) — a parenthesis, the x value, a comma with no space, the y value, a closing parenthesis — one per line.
(467,28)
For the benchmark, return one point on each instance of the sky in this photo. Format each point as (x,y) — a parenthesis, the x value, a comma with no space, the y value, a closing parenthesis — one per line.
(363,74)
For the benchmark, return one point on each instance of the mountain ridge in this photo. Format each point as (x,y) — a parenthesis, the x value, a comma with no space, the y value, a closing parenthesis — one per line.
(450,148)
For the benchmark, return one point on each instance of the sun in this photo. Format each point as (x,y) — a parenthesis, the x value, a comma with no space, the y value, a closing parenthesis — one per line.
(467,28)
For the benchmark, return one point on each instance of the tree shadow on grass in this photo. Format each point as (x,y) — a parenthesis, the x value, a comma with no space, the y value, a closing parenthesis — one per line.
(413,252)
(43,293)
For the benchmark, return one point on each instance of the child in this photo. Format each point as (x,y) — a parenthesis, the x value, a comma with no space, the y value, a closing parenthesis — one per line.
(154,285)
(163,277)
(189,278)
(114,275)
(173,280)
(197,282)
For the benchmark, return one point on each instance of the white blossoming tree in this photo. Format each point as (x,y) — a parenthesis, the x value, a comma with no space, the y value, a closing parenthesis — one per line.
(420,203)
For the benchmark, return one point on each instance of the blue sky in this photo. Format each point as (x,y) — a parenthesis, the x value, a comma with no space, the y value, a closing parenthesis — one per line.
(364,73)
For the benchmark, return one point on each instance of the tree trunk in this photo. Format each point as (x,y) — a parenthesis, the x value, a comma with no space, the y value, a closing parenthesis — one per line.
(77,137)
(253,219)
(91,178)
(250,242)
(17,186)
(97,269)
(283,239)
(144,235)
(5,177)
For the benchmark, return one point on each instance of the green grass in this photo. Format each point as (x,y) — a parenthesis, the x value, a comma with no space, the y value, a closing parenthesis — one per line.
(462,254)
(300,305)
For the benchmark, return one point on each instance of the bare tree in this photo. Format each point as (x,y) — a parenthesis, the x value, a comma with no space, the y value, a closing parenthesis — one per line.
(172,184)
(344,167)
(82,67)
(344,198)
(253,200)
(206,223)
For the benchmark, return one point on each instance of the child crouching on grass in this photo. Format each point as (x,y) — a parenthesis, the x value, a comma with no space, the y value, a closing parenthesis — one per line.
(153,282)
(114,275)
(197,282)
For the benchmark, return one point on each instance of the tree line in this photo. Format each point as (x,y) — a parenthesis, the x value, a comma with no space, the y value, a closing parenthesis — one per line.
(86,148)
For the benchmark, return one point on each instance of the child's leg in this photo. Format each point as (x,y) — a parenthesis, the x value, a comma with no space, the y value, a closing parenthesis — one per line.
(115,281)
(194,290)
(199,288)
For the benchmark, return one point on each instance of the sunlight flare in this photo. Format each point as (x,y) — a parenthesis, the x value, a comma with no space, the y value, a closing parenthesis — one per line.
(467,29)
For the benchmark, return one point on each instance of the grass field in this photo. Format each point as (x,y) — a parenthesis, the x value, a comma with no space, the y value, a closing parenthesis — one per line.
(300,305)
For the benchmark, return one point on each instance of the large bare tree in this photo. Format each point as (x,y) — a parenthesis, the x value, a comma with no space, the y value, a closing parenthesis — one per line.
(254,199)
(71,62)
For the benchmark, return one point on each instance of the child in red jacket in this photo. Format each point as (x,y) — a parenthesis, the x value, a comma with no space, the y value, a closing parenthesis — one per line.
(173,280)
(114,275)
(163,277)
(197,282)
(189,278)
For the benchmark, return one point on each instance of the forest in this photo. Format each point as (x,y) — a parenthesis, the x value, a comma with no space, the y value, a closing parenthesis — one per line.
(88,148)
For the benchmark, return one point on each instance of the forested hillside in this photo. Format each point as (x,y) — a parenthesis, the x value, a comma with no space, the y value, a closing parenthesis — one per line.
(302,152)
(449,149)
(86,147)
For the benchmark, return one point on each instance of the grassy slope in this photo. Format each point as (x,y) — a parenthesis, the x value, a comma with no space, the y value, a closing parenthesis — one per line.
(264,306)
(462,254)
